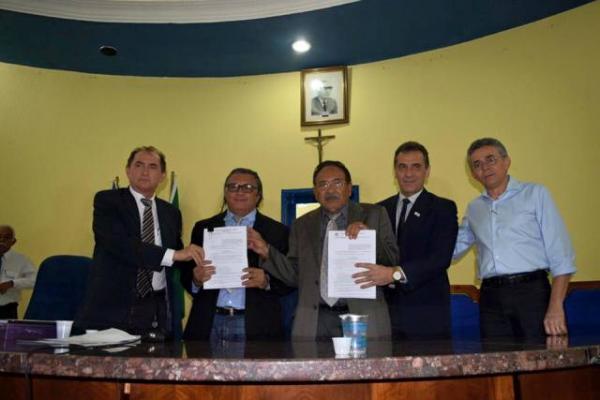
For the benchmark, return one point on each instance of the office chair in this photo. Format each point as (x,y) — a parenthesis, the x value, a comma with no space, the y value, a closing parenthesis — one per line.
(464,304)
(59,288)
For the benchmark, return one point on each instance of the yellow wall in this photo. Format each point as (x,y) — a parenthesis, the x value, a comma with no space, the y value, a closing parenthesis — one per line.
(65,135)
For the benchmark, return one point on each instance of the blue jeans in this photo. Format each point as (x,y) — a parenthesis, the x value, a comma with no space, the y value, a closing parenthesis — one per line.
(228,336)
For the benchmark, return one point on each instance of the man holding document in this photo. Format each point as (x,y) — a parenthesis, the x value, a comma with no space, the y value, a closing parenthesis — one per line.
(321,260)
(233,298)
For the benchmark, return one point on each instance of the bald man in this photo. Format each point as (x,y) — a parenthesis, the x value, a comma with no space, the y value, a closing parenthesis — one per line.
(16,273)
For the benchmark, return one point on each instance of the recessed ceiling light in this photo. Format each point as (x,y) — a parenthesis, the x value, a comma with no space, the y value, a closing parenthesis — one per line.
(301,46)
(109,51)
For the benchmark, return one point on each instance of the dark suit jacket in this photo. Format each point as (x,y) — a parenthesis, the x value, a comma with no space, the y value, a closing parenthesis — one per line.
(118,253)
(301,267)
(317,106)
(263,309)
(421,307)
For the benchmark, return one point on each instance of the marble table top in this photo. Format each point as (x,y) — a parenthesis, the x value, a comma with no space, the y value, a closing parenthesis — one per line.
(300,361)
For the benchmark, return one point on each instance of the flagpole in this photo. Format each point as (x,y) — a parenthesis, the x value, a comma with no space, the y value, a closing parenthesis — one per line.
(172,183)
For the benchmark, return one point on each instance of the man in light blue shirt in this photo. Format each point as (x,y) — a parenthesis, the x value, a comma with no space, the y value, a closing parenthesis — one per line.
(520,236)
(237,314)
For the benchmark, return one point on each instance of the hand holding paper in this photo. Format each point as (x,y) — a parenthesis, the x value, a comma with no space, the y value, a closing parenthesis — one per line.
(226,248)
(343,254)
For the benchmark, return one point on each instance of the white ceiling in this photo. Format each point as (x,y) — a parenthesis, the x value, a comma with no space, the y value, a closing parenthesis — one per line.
(166,11)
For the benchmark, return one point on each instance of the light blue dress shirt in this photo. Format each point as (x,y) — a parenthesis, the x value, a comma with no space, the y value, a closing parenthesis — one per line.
(521,231)
(235,298)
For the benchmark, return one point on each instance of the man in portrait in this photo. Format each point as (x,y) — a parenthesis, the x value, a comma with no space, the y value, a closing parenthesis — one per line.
(323,104)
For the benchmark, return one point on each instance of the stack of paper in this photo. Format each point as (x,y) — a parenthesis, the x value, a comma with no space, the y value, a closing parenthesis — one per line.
(107,337)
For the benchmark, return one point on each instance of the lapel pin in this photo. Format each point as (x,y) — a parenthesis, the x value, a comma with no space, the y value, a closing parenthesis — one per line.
(417,214)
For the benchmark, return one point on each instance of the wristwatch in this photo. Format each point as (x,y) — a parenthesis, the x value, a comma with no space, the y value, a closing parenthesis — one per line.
(398,275)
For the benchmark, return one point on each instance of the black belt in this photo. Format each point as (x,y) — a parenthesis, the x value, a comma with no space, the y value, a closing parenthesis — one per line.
(158,293)
(342,308)
(513,279)
(228,311)
(153,293)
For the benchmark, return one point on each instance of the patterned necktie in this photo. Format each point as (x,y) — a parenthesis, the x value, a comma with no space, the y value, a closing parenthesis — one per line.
(144,275)
(331,226)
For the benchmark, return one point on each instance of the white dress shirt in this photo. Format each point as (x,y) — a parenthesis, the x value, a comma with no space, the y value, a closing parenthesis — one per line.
(17,268)
(159,279)
(409,206)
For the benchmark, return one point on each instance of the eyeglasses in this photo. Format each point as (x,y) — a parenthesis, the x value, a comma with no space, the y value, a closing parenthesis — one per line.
(334,184)
(240,187)
(486,162)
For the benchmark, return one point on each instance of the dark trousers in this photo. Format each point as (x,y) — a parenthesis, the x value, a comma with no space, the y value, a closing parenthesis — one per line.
(329,323)
(514,310)
(144,312)
(9,311)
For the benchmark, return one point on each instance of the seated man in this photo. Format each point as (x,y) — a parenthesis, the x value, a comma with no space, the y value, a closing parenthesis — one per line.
(16,273)
(305,265)
(252,312)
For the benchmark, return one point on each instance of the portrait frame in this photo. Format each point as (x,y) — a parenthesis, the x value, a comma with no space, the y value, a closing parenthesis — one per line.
(324,96)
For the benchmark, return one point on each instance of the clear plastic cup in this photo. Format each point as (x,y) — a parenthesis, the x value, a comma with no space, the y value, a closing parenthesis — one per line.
(354,326)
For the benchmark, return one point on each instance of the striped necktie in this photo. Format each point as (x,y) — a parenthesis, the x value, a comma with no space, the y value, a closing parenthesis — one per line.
(144,275)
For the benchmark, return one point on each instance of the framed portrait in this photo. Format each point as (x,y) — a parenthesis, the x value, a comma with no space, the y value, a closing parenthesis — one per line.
(324,96)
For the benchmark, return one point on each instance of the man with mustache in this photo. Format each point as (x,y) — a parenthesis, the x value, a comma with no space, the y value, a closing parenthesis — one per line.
(317,315)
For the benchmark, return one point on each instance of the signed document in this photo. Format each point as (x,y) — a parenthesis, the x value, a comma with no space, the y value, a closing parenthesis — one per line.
(343,254)
(227,248)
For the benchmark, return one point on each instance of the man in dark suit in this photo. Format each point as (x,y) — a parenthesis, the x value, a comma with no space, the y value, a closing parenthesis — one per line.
(323,103)
(252,312)
(138,238)
(426,228)
(317,315)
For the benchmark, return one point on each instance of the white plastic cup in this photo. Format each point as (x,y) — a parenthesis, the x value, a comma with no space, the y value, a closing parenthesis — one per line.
(63,329)
(341,345)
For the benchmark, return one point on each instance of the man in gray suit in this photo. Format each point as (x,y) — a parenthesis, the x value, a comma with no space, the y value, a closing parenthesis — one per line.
(317,316)
(323,104)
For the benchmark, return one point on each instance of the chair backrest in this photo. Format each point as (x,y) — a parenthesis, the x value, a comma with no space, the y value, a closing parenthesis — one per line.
(582,307)
(59,288)
(465,312)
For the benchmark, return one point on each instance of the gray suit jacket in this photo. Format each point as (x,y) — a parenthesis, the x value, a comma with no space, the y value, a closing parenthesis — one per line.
(301,268)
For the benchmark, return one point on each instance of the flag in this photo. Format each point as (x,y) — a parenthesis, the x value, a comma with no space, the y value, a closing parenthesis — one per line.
(174,195)
(178,296)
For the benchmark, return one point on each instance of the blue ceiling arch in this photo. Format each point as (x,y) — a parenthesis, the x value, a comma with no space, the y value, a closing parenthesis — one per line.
(365,31)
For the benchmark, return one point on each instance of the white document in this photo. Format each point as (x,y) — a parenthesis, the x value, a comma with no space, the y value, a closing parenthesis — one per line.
(343,254)
(226,248)
(107,337)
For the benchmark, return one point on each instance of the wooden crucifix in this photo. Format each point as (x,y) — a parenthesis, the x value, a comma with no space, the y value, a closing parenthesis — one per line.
(319,141)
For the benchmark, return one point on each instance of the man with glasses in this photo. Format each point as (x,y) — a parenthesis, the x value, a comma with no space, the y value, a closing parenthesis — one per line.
(305,266)
(254,311)
(520,236)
